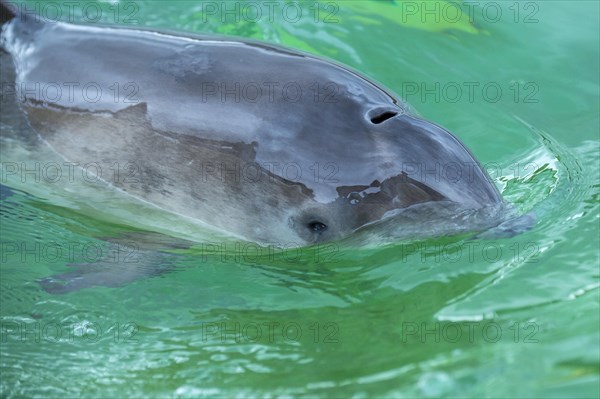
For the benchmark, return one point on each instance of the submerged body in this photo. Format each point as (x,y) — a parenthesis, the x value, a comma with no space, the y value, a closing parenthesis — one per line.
(268,144)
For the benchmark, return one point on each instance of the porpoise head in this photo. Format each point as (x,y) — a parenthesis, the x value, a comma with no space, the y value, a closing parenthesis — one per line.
(408,161)
(358,161)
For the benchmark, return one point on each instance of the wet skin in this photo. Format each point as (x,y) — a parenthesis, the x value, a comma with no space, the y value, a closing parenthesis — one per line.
(269,144)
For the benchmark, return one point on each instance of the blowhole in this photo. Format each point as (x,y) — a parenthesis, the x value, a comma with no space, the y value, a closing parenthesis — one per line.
(383,117)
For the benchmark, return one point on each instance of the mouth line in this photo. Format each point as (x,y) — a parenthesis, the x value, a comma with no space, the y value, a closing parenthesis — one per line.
(412,209)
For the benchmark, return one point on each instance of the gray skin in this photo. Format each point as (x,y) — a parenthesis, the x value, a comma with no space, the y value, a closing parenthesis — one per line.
(345,155)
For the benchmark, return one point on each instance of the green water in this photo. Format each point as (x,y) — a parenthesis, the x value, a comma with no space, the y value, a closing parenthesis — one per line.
(446,317)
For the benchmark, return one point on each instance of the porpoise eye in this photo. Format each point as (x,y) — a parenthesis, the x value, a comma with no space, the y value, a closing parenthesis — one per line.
(317,227)
(377,119)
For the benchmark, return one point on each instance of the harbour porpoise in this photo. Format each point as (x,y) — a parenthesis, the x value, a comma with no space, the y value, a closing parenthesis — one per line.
(267,143)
